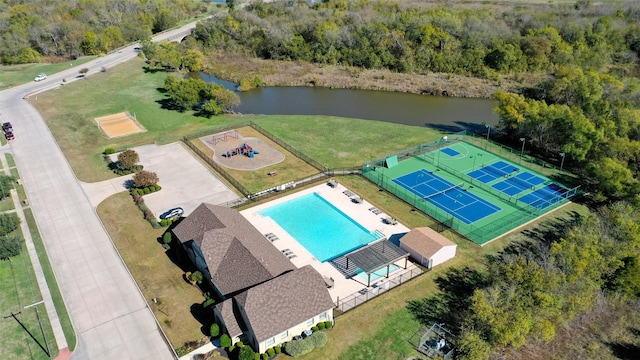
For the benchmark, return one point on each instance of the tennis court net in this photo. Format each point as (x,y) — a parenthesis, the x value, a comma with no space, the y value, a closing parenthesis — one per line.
(459,186)
(495,170)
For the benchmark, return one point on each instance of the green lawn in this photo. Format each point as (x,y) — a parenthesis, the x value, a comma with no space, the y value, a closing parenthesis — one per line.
(19,288)
(14,75)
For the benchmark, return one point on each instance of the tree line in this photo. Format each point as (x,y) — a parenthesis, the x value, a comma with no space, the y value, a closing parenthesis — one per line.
(31,30)
(531,288)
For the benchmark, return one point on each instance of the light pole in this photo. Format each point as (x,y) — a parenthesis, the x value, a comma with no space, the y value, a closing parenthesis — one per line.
(474,160)
(488,130)
(35,307)
(440,142)
(522,151)
(562,162)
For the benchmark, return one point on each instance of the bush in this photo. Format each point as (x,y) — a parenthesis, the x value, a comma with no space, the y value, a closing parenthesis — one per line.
(299,347)
(265,357)
(231,349)
(328,324)
(246,353)
(314,329)
(109,151)
(225,340)
(147,191)
(278,349)
(270,352)
(167,237)
(321,325)
(196,277)
(140,192)
(164,222)
(317,339)
(256,356)
(214,330)
(239,344)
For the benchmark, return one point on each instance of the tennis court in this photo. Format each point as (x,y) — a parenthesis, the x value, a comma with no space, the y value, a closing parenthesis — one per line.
(473,191)
(454,199)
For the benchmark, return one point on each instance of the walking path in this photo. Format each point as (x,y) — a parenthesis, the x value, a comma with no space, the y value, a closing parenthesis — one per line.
(61,341)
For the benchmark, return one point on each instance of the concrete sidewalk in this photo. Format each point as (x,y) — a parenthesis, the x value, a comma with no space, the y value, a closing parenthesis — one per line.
(54,320)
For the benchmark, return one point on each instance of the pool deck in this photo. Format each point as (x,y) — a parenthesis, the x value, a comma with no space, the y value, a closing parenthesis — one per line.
(342,198)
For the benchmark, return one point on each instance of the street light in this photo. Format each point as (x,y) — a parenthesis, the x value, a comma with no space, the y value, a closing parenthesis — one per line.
(35,307)
(561,162)
(522,151)
(474,160)
(488,130)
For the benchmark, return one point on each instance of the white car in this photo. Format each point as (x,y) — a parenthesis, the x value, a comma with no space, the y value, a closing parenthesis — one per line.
(40,77)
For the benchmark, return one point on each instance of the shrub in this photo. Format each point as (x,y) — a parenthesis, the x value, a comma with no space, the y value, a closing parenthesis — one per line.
(208,303)
(231,349)
(196,277)
(164,222)
(148,214)
(246,353)
(214,330)
(314,329)
(239,344)
(167,237)
(328,324)
(299,347)
(146,191)
(317,339)
(270,352)
(109,151)
(265,357)
(158,187)
(278,349)
(225,340)
(256,356)
(321,325)
(140,192)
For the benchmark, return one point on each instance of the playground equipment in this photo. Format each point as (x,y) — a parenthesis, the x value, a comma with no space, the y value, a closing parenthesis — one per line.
(233,134)
(243,149)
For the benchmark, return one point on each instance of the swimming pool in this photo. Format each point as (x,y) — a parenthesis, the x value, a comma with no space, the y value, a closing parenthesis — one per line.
(378,273)
(324,230)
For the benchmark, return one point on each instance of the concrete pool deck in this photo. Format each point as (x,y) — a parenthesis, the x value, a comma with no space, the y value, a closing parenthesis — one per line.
(361,212)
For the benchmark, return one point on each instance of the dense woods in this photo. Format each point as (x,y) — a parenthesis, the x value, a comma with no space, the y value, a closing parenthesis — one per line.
(31,30)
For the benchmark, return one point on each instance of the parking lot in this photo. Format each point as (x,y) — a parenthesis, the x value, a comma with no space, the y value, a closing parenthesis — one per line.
(185,181)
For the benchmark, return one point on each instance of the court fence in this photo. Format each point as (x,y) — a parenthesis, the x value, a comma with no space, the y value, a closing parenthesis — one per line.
(479,234)
(360,297)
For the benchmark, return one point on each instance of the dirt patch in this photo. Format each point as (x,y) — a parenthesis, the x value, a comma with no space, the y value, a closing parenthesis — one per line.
(242,153)
(120,124)
(234,67)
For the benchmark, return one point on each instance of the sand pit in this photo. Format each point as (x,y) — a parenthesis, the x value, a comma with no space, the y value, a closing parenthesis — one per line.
(120,124)
(222,145)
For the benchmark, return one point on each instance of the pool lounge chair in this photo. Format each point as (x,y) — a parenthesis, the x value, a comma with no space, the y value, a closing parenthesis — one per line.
(292,256)
(285,250)
(287,253)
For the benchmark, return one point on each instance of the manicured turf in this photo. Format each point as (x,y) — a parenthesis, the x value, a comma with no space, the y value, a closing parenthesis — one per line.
(19,74)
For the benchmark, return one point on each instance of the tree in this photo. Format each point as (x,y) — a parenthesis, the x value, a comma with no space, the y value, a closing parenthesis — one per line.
(167,237)
(6,184)
(8,223)
(128,159)
(10,246)
(214,331)
(144,178)
(225,340)
(192,60)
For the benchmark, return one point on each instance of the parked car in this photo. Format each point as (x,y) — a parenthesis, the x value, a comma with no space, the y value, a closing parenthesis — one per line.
(7,126)
(172,213)
(9,135)
(41,77)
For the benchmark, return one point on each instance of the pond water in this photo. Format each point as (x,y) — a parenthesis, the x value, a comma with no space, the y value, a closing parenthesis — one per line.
(444,113)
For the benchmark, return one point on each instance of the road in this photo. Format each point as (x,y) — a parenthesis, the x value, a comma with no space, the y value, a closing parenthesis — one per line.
(110,316)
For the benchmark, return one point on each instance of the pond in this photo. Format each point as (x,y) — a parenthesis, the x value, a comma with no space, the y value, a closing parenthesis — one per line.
(444,113)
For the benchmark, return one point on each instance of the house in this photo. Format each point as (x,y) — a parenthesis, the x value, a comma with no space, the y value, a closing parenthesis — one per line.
(428,247)
(275,311)
(232,255)
(266,300)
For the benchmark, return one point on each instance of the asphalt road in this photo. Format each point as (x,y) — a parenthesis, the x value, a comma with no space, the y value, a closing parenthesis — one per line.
(111,318)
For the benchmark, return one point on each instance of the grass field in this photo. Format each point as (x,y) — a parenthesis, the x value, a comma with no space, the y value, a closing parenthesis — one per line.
(155,273)
(15,75)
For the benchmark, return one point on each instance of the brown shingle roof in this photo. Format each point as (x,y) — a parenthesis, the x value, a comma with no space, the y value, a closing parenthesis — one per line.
(237,254)
(229,318)
(426,241)
(285,301)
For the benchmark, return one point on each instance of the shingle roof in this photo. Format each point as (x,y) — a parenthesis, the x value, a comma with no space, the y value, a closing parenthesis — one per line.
(426,241)
(228,314)
(237,254)
(285,301)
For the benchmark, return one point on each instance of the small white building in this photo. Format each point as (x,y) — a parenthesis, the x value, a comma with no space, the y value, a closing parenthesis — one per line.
(428,247)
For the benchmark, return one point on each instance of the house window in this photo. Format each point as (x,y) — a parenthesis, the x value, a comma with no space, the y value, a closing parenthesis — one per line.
(271,341)
(310,322)
(284,335)
(323,316)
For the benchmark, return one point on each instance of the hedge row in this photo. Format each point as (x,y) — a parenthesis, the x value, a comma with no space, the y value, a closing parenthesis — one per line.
(304,346)
(146,190)
(148,214)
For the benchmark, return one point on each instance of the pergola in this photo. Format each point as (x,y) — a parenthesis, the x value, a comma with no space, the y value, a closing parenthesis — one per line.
(376,256)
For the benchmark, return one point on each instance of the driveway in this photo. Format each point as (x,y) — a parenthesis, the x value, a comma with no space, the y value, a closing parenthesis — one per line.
(185,181)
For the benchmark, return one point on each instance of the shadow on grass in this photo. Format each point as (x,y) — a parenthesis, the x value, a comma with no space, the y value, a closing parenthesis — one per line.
(168,104)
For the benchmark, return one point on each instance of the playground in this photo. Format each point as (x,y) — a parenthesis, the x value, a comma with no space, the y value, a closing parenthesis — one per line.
(232,150)
(473,191)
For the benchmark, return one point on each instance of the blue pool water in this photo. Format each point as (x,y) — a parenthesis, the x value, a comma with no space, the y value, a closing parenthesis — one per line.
(320,227)
(378,273)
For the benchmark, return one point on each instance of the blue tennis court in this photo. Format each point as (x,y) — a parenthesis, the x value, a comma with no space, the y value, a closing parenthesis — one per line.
(519,183)
(493,171)
(450,152)
(545,196)
(450,197)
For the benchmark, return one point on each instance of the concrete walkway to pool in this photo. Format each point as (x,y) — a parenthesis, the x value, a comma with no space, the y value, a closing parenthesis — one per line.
(342,198)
